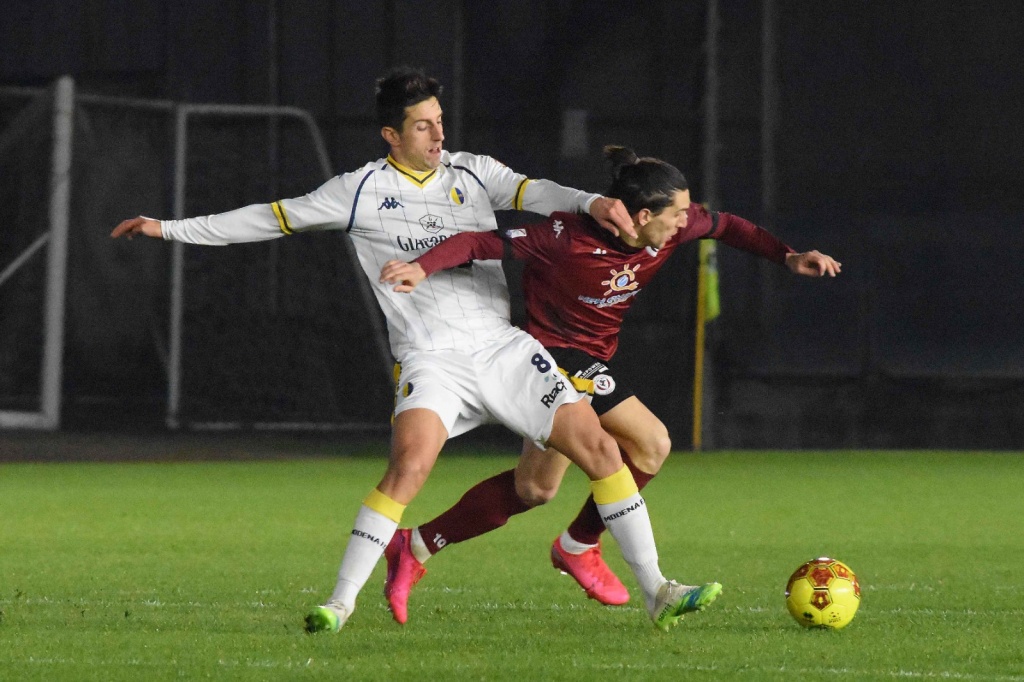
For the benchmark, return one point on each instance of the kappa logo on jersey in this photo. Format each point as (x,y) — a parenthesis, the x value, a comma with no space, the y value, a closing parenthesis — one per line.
(390,202)
(457,196)
(432,223)
(603,384)
(516,233)
(624,280)
(557,226)
(600,252)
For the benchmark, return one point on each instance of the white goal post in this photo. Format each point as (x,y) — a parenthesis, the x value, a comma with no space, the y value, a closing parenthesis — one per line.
(54,239)
(47,417)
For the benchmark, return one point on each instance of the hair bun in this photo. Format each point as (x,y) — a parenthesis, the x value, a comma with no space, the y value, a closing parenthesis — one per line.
(619,157)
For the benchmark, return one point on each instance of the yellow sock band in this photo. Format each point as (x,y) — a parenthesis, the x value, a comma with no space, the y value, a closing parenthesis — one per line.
(382,504)
(614,488)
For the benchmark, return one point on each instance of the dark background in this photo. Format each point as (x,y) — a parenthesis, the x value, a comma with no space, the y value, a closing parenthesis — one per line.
(897,149)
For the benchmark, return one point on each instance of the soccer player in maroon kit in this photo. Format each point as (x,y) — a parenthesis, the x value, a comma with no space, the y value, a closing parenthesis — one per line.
(579,280)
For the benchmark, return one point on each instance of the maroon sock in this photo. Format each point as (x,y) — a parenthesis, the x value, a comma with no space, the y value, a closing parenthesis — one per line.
(486,506)
(588,526)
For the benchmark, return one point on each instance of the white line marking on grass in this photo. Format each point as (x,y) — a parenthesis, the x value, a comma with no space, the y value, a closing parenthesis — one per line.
(988,613)
(129,663)
(265,664)
(944,613)
(756,671)
(105,603)
(531,606)
(136,663)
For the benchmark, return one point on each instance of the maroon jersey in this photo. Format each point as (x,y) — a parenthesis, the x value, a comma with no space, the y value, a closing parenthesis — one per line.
(579,280)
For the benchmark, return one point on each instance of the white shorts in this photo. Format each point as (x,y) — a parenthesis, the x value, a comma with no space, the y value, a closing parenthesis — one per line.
(512,380)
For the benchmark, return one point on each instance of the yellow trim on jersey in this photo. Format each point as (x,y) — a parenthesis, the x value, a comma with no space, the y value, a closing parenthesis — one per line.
(419,177)
(282,217)
(579,383)
(517,200)
(396,372)
(382,504)
(615,488)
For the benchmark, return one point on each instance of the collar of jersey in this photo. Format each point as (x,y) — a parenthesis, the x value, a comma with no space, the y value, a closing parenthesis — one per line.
(421,178)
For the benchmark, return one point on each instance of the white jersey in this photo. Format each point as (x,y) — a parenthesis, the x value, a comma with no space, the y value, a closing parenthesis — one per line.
(392,212)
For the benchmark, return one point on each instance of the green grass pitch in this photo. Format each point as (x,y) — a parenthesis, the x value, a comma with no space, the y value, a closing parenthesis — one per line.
(177,570)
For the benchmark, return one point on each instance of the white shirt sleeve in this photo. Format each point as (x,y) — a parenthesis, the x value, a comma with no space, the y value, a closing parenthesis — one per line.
(249,224)
(327,207)
(546,197)
(510,190)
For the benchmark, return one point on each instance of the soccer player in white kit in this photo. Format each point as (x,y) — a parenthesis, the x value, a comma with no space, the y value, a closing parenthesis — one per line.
(462,362)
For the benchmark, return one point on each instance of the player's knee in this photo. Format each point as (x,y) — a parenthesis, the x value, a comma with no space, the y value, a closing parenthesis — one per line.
(650,454)
(535,493)
(411,468)
(604,447)
(598,454)
(408,479)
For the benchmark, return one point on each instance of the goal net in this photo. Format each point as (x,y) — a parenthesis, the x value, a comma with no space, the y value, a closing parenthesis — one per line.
(280,334)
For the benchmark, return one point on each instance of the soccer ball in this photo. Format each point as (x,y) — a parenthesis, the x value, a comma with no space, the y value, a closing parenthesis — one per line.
(823,593)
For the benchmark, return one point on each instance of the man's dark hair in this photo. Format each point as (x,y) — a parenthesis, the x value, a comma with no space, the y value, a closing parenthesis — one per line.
(400,88)
(642,182)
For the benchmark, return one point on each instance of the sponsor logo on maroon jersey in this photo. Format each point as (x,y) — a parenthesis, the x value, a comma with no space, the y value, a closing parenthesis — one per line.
(622,280)
(611,300)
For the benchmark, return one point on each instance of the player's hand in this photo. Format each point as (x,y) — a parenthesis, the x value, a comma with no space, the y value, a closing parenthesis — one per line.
(141,225)
(612,215)
(405,276)
(813,264)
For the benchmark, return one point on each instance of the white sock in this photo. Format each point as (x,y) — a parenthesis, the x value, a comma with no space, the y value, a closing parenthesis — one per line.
(628,522)
(370,535)
(418,547)
(571,545)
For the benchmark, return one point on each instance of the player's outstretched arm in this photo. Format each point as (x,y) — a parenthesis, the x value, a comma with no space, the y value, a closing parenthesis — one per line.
(140,225)
(454,251)
(813,264)
(611,214)
(405,276)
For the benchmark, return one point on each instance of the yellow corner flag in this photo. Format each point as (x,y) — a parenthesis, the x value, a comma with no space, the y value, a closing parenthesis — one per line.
(708,308)
(709,276)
